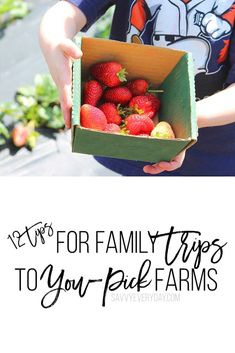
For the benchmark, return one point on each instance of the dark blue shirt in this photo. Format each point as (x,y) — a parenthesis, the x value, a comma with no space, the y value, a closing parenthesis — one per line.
(203,27)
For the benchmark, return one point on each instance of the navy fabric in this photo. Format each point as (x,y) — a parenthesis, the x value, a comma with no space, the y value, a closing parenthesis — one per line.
(206,158)
(204,28)
(92,9)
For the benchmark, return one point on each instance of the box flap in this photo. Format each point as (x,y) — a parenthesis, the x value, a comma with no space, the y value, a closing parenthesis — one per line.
(127,147)
(179,90)
(137,59)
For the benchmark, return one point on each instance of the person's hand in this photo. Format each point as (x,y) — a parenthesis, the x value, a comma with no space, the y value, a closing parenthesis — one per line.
(165,166)
(61,23)
(59,61)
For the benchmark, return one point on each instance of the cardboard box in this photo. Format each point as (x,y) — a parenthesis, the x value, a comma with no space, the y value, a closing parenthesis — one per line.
(167,69)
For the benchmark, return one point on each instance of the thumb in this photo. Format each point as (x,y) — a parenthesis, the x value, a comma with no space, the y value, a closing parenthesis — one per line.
(70,49)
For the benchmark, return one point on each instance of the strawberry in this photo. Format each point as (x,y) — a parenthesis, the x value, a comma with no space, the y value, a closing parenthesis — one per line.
(118,95)
(111,112)
(19,135)
(113,128)
(148,105)
(93,118)
(92,92)
(138,87)
(110,73)
(139,124)
(163,130)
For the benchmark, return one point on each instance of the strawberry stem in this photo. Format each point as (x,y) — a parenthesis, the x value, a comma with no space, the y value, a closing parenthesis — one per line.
(156,90)
(124,111)
(122,75)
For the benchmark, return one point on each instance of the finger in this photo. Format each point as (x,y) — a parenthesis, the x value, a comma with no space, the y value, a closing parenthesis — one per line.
(66,111)
(65,93)
(170,166)
(180,157)
(70,49)
(66,104)
(153,169)
(174,164)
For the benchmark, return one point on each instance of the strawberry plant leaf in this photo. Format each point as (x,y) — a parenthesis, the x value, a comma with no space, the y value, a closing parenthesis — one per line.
(45,89)
(27,91)
(26,101)
(56,121)
(2,140)
(34,106)
(3,130)
(11,109)
(4,134)
(11,10)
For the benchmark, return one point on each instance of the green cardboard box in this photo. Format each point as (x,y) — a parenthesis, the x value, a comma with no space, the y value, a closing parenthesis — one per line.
(167,69)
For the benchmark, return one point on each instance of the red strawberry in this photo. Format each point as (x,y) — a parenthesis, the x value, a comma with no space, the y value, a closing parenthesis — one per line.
(138,87)
(118,95)
(139,124)
(92,92)
(19,135)
(113,128)
(92,118)
(111,112)
(156,101)
(148,105)
(110,73)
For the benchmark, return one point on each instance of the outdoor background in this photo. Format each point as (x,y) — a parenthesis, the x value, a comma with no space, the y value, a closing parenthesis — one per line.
(21,60)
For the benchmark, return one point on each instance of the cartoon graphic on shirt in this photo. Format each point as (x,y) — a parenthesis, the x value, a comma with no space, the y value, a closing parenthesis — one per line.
(190,25)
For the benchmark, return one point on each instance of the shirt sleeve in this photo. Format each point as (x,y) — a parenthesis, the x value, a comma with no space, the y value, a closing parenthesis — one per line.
(92,9)
(231,73)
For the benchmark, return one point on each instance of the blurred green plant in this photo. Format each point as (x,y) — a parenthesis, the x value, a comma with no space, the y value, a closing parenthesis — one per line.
(103,25)
(4,133)
(35,107)
(11,10)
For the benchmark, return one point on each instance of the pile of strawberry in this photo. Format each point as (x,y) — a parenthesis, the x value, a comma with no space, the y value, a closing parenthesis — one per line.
(112,104)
